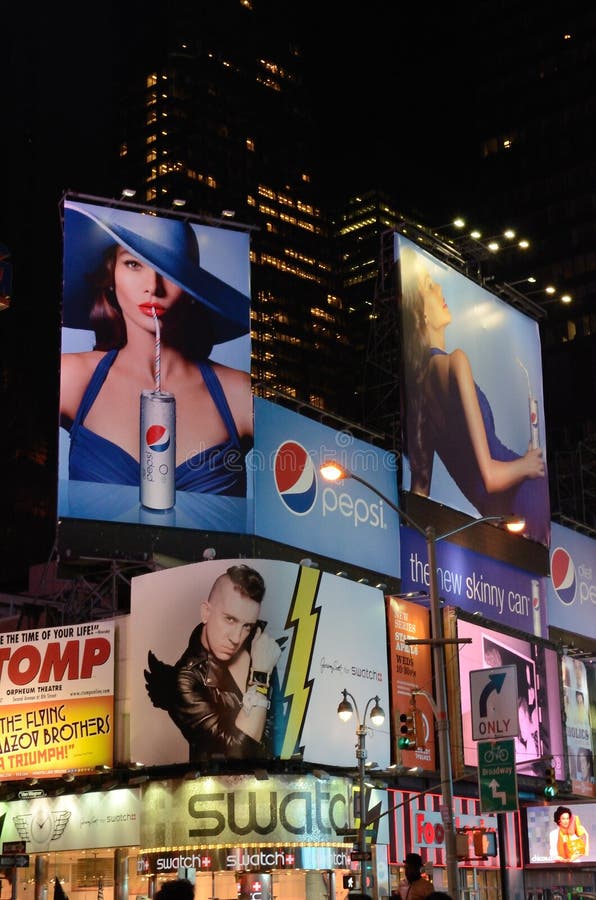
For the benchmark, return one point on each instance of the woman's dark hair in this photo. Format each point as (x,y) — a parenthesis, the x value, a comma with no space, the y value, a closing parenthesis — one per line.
(560,811)
(189,330)
(586,753)
(416,357)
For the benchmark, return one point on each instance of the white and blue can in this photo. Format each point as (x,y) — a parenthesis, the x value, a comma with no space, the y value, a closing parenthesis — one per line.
(158,450)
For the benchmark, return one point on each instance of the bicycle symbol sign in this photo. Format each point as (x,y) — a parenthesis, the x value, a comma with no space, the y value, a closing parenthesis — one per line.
(495,753)
(497,780)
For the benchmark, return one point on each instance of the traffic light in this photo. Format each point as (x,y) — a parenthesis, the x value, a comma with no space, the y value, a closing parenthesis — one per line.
(485,843)
(550,782)
(409,730)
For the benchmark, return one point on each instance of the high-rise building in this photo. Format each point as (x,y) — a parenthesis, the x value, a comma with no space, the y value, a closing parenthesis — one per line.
(216,122)
(213,110)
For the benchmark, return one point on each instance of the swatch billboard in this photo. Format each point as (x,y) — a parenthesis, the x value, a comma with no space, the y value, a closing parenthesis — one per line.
(255,657)
(474,431)
(296,506)
(155,400)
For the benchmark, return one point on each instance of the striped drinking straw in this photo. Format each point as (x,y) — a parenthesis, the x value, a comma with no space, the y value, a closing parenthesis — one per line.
(157,351)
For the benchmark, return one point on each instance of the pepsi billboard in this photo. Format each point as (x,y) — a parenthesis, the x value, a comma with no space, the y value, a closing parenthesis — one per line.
(475,583)
(156,419)
(296,506)
(572,586)
(474,435)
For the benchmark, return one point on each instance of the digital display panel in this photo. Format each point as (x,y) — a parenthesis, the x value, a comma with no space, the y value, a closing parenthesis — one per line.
(539,704)
(561,834)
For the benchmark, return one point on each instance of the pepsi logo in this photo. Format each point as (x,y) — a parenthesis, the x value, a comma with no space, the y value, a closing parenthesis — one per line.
(562,573)
(295,478)
(157,438)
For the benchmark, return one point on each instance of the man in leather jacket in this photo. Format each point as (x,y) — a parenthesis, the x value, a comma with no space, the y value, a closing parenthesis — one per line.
(218,693)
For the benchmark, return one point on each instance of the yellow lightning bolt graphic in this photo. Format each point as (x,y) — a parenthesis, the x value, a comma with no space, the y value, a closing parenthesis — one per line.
(303,617)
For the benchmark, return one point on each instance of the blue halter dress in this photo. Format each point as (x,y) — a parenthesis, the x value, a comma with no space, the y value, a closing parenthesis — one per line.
(529,499)
(220,469)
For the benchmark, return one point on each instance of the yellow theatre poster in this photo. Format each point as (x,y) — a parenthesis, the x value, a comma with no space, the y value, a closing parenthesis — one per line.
(56,700)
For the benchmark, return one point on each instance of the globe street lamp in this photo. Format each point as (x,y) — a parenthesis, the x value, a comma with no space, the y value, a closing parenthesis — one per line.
(345,710)
(333,471)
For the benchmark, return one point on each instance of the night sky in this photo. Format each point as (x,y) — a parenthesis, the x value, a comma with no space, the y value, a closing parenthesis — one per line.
(388,89)
(370,80)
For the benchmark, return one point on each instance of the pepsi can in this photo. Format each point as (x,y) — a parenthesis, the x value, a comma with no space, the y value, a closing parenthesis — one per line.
(537,623)
(158,450)
(534,436)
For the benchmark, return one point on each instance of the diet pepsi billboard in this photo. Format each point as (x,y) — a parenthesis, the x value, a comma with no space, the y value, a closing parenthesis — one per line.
(474,431)
(155,398)
(295,505)
(571,590)
(476,583)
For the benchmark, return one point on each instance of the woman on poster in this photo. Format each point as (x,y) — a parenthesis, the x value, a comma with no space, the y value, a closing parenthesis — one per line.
(569,841)
(156,313)
(449,415)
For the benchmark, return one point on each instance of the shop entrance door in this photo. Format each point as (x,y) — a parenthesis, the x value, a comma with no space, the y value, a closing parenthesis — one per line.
(216,886)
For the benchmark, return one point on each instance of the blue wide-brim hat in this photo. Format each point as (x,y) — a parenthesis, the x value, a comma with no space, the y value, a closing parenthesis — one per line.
(167,245)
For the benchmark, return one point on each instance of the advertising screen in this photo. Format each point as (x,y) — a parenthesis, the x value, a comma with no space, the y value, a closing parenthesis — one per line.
(295,505)
(411,667)
(155,401)
(561,834)
(56,700)
(252,675)
(476,583)
(539,707)
(578,729)
(73,822)
(474,434)
(572,585)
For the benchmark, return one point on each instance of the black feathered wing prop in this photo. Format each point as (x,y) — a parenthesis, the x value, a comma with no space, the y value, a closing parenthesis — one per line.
(159,681)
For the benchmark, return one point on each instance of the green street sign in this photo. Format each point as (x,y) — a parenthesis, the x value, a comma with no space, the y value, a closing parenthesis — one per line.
(497,778)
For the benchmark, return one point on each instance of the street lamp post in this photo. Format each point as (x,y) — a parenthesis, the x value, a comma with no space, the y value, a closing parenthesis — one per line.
(345,710)
(333,471)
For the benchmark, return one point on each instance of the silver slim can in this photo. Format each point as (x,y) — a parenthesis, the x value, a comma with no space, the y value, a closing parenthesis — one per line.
(158,450)
(537,619)
(534,435)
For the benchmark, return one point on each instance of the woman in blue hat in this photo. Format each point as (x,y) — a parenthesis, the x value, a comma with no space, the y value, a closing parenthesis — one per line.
(136,280)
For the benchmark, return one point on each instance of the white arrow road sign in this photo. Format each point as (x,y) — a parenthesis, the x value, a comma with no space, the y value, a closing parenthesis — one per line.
(494,699)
